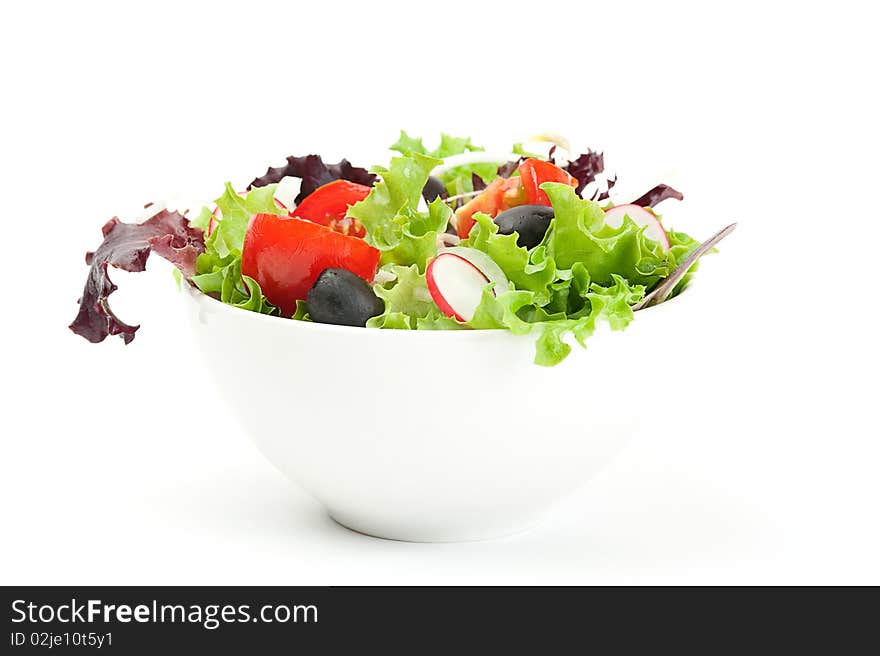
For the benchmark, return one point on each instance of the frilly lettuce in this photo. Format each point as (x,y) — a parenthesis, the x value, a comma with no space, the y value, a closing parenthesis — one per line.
(230,286)
(578,233)
(218,269)
(391,217)
(449,145)
(532,271)
(680,245)
(458,180)
(127,246)
(228,235)
(313,172)
(583,272)
(517,311)
(408,303)
(406,298)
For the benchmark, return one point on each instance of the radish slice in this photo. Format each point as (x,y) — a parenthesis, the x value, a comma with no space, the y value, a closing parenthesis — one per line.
(286,192)
(641,217)
(214,220)
(456,285)
(485,264)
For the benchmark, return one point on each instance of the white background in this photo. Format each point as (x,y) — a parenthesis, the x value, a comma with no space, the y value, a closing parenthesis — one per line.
(116,466)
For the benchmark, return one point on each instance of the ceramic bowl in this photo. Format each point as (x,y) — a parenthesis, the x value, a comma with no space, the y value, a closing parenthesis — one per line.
(434,435)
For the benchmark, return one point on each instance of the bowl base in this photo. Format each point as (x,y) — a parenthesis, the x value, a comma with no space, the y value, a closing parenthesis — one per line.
(432,536)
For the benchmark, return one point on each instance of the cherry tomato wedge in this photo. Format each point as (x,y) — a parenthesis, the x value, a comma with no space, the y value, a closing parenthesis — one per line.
(328,204)
(500,195)
(534,173)
(286,255)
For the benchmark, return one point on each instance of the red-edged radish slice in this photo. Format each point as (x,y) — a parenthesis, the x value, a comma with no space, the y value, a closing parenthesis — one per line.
(286,192)
(214,220)
(484,263)
(456,285)
(641,217)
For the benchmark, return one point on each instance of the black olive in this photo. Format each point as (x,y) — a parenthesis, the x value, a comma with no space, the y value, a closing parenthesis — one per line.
(340,297)
(433,188)
(530,221)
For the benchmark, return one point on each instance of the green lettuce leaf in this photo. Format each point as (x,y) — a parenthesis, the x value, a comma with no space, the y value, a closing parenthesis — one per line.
(406,298)
(407,145)
(236,212)
(227,283)
(522,152)
(419,241)
(436,320)
(516,311)
(611,304)
(218,269)
(533,271)
(489,314)
(503,311)
(203,220)
(408,303)
(449,145)
(681,245)
(458,179)
(578,233)
(391,217)
(302,312)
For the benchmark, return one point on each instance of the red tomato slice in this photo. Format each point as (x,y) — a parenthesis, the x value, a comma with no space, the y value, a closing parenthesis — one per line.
(328,204)
(286,255)
(500,195)
(534,173)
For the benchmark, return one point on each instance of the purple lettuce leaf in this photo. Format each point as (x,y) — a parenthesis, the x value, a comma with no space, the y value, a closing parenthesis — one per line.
(478,182)
(127,246)
(506,170)
(606,194)
(314,173)
(659,193)
(585,168)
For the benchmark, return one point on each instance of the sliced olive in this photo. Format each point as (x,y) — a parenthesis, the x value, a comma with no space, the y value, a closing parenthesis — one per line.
(340,297)
(433,188)
(530,222)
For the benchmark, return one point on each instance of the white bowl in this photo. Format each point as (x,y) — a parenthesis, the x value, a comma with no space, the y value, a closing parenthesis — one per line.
(432,436)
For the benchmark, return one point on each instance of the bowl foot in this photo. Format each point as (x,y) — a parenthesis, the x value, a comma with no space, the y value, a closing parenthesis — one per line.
(433,534)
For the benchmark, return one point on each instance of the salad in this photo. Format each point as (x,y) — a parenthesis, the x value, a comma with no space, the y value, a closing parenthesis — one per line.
(451,238)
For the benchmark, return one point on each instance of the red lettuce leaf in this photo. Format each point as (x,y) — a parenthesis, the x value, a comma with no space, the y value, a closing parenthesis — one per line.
(314,173)
(127,246)
(606,194)
(506,170)
(659,193)
(478,182)
(585,168)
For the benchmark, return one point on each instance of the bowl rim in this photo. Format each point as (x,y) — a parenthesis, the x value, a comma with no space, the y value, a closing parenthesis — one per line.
(198,297)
